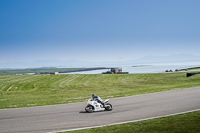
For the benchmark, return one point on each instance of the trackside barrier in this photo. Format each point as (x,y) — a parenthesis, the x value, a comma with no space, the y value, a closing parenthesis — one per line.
(191,74)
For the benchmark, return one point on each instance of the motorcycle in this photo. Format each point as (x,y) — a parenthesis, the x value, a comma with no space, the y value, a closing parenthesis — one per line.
(95,106)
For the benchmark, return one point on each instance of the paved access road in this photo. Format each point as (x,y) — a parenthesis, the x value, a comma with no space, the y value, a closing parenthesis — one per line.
(69,116)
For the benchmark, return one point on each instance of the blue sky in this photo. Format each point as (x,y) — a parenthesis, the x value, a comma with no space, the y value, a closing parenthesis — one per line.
(97,30)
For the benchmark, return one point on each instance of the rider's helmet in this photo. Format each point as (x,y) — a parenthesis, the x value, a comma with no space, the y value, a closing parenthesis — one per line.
(94,96)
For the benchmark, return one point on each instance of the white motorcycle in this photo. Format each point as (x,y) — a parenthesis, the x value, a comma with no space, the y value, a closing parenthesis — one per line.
(95,106)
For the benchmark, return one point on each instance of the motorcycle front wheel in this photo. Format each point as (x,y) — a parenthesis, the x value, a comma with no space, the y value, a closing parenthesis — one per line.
(108,107)
(89,109)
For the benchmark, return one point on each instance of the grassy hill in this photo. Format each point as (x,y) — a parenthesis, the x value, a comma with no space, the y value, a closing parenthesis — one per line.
(38,90)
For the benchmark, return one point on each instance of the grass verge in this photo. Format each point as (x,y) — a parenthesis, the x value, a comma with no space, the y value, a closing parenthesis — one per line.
(37,90)
(184,123)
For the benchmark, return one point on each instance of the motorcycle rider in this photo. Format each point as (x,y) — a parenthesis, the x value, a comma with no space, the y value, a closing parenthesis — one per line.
(97,98)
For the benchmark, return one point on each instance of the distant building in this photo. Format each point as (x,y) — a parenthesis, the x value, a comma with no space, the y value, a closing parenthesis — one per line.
(54,72)
(30,73)
(115,70)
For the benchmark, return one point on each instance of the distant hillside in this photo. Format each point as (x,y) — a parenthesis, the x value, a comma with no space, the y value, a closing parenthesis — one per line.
(46,63)
(79,64)
(174,57)
(46,70)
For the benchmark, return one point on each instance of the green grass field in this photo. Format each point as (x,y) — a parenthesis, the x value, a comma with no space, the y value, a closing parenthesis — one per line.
(184,123)
(36,90)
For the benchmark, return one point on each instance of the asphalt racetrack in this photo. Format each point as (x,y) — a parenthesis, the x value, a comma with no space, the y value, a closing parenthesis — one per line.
(71,116)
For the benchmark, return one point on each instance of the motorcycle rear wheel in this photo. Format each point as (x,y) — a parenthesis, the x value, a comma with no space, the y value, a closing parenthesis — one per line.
(108,107)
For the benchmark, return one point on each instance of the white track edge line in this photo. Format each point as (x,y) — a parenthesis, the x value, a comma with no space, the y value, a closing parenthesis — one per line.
(125,121)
